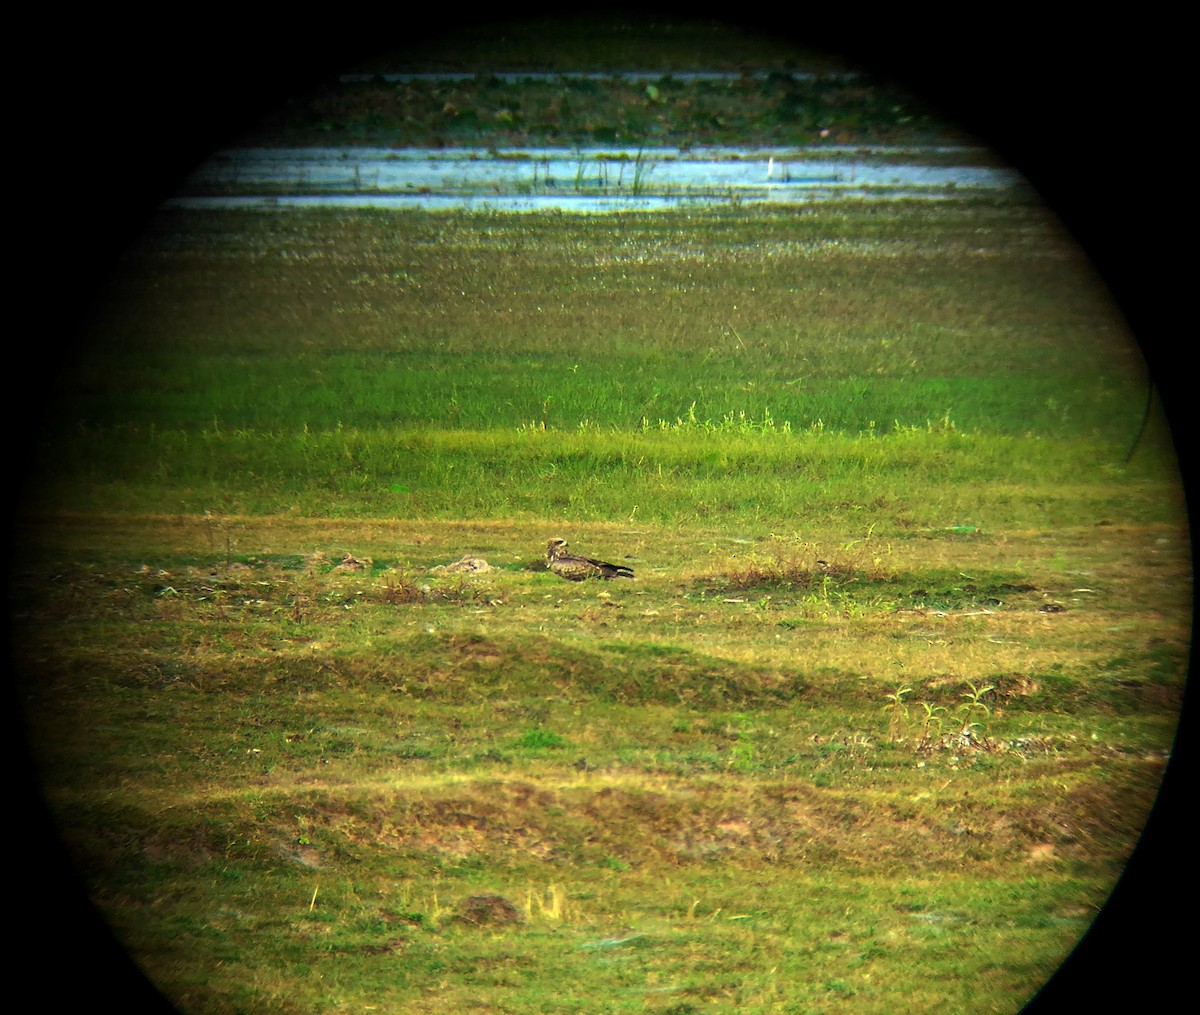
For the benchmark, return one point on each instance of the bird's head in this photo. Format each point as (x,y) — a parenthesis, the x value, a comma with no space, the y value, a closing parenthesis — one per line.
(555,547)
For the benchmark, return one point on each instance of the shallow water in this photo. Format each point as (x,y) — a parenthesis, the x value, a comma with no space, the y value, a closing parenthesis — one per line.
(582,179)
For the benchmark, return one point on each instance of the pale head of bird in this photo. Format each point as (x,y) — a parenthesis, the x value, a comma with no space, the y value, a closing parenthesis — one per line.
(555,548)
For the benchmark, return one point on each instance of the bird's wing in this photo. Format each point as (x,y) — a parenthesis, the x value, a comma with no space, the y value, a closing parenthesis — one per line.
(607,568)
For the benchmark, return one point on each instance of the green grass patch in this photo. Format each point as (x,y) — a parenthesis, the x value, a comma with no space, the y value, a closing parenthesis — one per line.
(877,724)
(978,313)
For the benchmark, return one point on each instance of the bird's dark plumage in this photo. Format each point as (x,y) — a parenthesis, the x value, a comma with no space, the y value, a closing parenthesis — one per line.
(576,569)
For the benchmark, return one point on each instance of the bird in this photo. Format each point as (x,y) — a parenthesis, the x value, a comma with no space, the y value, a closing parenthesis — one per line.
(576,569)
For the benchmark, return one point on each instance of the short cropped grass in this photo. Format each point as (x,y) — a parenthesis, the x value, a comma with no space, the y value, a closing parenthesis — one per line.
(692,789)
(876,726)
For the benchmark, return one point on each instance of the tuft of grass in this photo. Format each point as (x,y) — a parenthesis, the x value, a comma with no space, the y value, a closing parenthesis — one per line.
(540,740)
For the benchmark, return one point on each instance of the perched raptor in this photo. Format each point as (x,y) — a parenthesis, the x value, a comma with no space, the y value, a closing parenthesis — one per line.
(576,569)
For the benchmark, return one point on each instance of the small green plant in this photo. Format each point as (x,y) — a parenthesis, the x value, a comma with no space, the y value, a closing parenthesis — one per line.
(973,732)
(931,726)
(929,730)
(897,711)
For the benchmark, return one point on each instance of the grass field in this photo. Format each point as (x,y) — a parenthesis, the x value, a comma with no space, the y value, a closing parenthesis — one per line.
(875,728)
